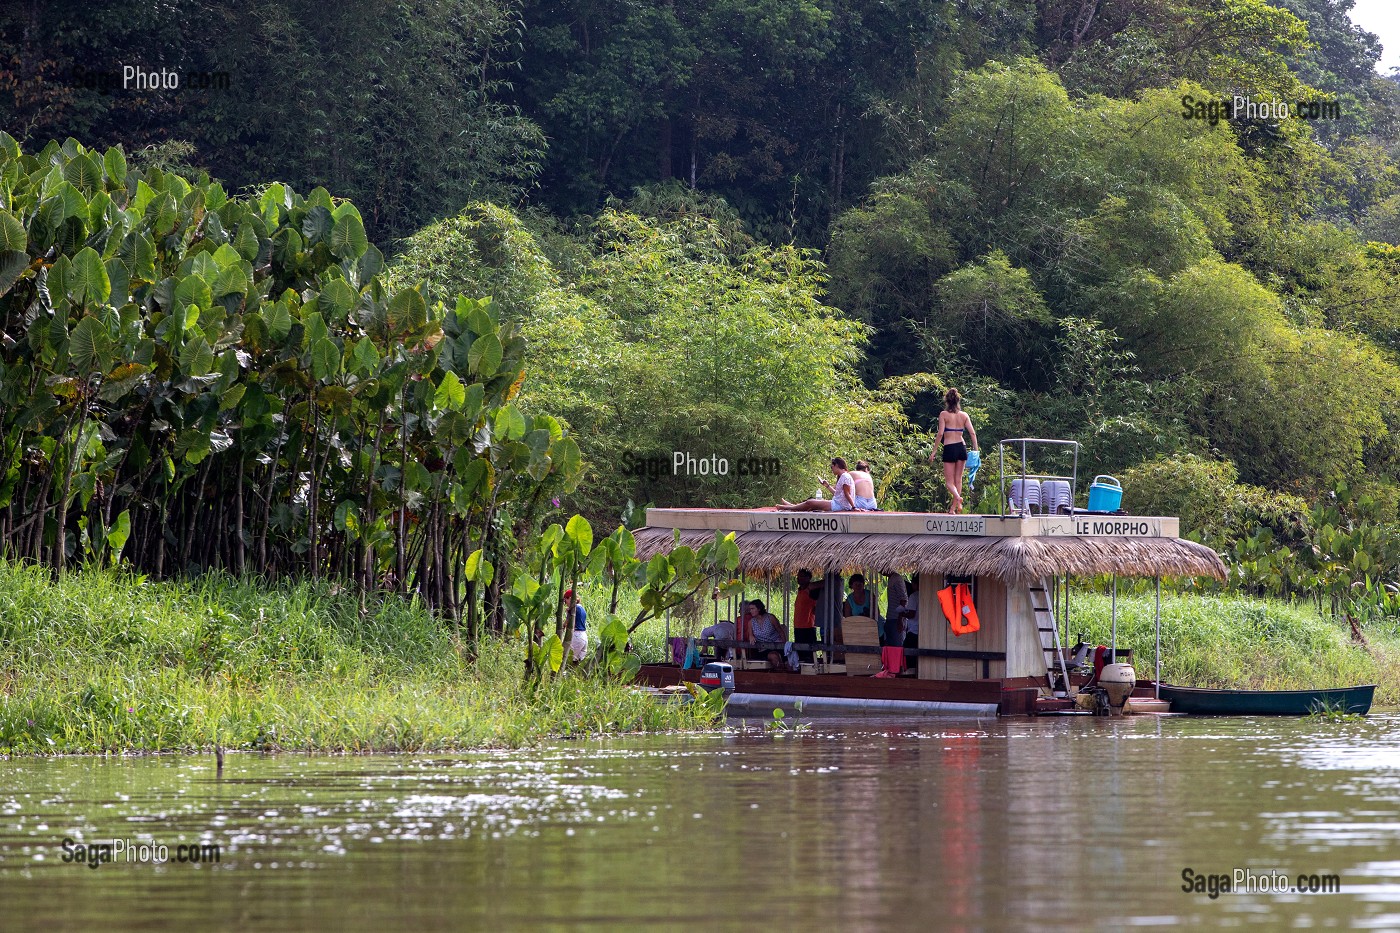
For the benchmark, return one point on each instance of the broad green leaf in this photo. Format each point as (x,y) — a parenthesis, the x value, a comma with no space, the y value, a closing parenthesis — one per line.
(230,281)
(473,473)
(246,242)
(84,172)
(510,424)
(484,357)
(121,528)
(13,265)
(89,345)
(451,394)
(12,235)
(337,299)
(552,653)
(120,282)
(232,396)
(196,357)
(364,358)
(193,290)
(325,359)
(278,321)
(348,239)
(407,310)
(473,565)
(347,517)
(88,282)
(316,225)
(580,534)
(115,163)
(479,318)
(121,381)
(313,326)
(143,259)
(145,194)
(193,445)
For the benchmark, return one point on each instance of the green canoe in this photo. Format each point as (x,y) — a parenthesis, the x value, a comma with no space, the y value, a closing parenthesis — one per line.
(1205,702)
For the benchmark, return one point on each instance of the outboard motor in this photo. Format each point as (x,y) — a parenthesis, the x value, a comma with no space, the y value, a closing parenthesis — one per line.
(1117,682)
(1108,689)
(718,675)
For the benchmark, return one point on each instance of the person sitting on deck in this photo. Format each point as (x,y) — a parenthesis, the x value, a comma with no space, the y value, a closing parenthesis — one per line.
(843,494)
(865,488)
(859,602)
(767,633)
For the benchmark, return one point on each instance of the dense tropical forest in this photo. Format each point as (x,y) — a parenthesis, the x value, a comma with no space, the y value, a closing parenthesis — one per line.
(769,231)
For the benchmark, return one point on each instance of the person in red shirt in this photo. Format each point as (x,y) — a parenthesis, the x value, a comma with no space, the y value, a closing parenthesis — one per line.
(804,615)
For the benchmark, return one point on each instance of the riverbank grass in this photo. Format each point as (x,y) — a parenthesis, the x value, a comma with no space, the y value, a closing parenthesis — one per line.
(103,661)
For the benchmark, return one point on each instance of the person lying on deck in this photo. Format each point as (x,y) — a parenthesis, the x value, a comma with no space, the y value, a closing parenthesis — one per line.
(768,634)
(845,495)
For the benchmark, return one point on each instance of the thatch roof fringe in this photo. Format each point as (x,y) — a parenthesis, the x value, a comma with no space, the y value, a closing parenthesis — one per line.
(1013,559)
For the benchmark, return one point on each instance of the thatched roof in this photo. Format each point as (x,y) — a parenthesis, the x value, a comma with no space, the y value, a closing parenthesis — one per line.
(1012,558)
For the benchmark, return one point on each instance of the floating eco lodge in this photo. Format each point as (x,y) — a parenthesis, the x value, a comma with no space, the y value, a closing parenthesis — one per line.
(1017,567)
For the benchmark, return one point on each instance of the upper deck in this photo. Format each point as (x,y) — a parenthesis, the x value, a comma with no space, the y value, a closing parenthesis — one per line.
(1077,525)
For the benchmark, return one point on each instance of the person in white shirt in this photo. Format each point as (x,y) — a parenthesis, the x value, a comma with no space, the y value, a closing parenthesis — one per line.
(843,494)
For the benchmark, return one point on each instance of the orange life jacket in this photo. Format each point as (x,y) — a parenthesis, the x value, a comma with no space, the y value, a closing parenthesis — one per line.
(957,606)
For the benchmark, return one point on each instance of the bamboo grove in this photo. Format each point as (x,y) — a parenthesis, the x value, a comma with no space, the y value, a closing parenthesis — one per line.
(192,380)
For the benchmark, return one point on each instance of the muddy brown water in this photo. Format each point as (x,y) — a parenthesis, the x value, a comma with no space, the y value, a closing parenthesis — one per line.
(1067,824)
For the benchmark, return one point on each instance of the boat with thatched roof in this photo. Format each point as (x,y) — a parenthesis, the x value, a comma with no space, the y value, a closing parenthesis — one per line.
(1017,569)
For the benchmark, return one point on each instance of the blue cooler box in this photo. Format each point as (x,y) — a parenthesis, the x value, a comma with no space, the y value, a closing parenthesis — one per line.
(1105,495)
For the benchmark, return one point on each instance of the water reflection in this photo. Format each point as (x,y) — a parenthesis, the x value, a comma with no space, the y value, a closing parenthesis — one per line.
(1050,824)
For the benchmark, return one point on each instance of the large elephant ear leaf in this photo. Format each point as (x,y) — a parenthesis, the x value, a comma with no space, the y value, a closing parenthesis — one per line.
(13,264)
(115,164)
(89,346)
(88,282)
(348,239)
(12,235)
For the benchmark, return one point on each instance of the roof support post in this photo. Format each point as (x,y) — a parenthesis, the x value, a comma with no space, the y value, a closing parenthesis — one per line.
(1157,626)
(1113,613)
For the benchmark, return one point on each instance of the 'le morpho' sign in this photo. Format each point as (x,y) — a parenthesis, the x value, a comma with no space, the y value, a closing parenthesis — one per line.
(1079,525)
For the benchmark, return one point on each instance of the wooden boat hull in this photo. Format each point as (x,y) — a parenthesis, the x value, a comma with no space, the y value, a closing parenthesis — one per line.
(758,692)
(1201,701)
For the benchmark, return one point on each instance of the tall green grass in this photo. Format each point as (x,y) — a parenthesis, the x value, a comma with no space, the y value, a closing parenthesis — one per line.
(1233,641)
(105,661)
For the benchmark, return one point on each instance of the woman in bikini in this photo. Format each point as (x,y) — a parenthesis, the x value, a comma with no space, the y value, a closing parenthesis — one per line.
(955,433)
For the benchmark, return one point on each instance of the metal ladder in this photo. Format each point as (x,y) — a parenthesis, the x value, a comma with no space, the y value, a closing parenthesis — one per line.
(1050,644)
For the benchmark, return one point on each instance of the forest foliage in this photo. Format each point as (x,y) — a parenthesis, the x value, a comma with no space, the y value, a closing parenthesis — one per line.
(770,230)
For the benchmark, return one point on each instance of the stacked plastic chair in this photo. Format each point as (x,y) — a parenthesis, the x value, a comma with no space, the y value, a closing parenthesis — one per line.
(1024,495)
(1055,497)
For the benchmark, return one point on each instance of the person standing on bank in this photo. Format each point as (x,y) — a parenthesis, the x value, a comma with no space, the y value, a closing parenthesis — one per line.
(957,437)
(578,643)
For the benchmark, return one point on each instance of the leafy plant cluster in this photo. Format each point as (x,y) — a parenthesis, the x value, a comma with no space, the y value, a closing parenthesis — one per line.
(196,381)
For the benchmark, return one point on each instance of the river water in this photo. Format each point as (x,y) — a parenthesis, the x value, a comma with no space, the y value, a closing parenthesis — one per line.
(1060,824)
